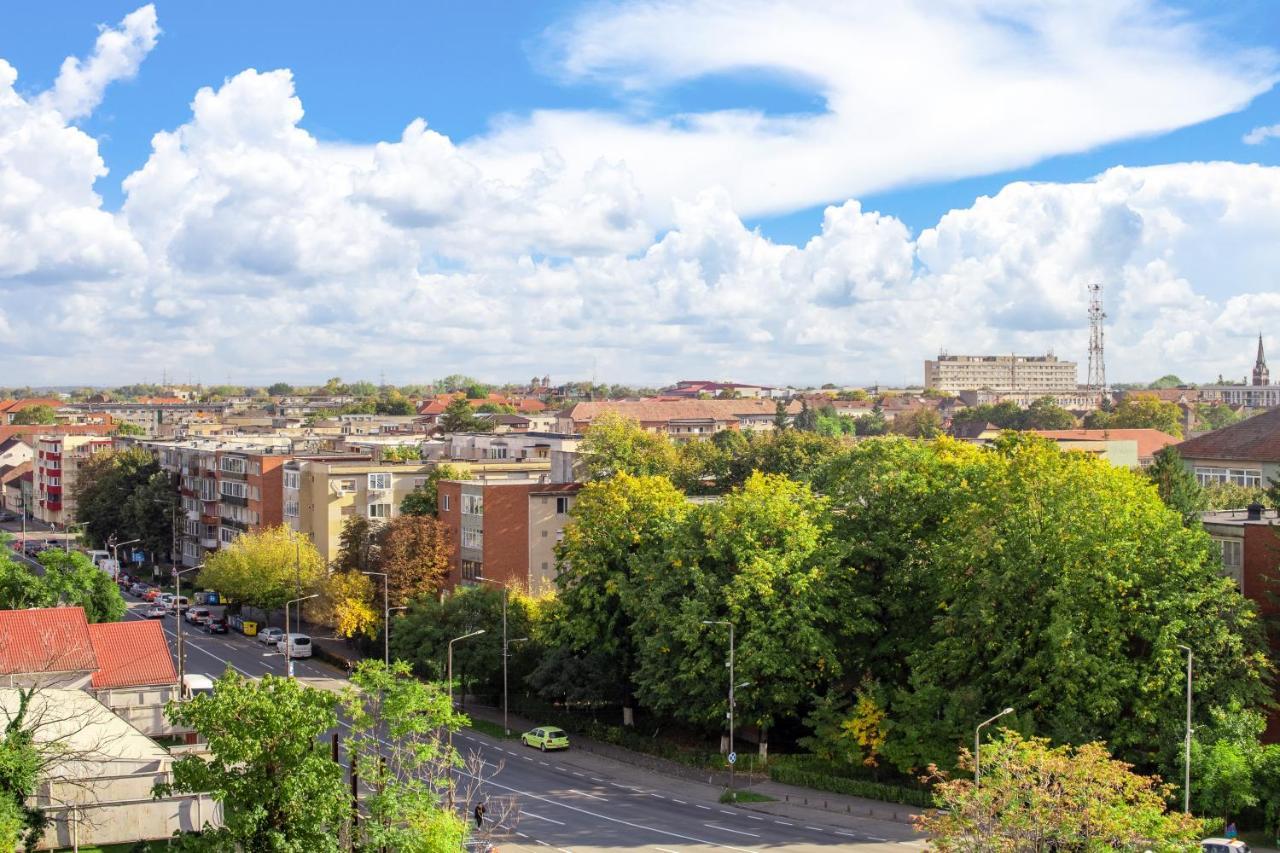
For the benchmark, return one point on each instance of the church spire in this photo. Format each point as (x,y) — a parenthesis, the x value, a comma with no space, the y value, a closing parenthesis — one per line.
(1261,376)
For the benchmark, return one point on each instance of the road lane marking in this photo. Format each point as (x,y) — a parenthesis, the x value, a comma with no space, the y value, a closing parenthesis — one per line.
(681,802)
(585,794)
(820,829)
(540,817)
(754,817)
(699,805)
(664,849)
(734,831)
(659,796)
(726,811)
(784,823)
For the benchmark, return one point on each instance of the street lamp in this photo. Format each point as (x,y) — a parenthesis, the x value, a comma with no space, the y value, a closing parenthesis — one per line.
(506,646)
(450,679)
(288,647)
(733,755)
(115,554)
(66,539)
(386,616)
(1186,760)
(177,613)
(977,746)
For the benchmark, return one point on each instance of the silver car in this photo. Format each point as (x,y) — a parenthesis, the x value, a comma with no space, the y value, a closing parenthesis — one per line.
(270,636)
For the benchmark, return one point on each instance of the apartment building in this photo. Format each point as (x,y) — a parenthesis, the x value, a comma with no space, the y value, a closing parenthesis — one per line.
(56,466)
(952,374)
(155,419)
(505,531)
(680,420)
(1077,399)
(320,493)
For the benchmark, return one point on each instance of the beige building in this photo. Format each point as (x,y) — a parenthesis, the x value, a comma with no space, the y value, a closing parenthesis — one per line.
(320,494)
(952,374)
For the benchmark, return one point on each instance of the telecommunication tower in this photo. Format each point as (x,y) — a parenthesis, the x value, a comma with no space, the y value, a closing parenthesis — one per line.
(1097,366)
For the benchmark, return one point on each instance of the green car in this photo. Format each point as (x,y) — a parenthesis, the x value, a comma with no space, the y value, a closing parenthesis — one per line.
(546,737)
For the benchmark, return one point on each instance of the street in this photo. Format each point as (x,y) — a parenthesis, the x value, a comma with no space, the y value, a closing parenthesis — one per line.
(578,801)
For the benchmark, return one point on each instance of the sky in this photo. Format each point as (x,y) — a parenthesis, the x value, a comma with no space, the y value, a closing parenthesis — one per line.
(774,192)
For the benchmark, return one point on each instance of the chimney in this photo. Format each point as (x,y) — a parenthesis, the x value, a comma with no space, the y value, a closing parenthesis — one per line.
(1254,511)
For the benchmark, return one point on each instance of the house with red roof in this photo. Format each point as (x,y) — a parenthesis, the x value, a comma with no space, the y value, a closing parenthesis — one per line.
(46,647)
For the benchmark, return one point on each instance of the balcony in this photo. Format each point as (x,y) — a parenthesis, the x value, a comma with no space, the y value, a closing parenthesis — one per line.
(209,542)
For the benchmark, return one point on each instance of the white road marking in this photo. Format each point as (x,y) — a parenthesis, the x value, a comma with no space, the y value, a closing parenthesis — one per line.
(681,802)
(540,817)
(585,794)
(699,805)
(726,811)
(664,849)
(544,764)
(784,823)
(734,831)
(596,779)
(754,817)
(820,829)
(659,796)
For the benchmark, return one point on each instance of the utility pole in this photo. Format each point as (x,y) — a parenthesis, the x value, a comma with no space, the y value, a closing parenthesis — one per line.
(733,755)
(506,650)
(386,616)
(977,746)
(177,614)
(1097,385)
(449,757)
(1186,759)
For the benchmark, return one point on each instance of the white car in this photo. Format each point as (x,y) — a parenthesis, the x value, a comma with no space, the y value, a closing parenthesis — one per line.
(155,610)
(295,645)
(270,636)
(1224,845)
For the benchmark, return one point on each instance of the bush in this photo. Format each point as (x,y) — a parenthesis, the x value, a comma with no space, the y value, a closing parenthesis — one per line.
(809,772)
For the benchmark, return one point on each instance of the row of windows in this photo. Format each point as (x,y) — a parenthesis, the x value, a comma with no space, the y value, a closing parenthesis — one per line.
(380,510)
(242,514)
(473,505)
(1237,476)
(291,480)
(472,539)
(291,508)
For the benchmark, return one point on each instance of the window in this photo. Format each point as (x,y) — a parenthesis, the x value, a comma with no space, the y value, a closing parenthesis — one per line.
(544,534)
(1232,551)
(381,510)
(562,506)
(233,465)
(472,570)
(227,535)
(473,539)
(291,508)
(473,505)
(379,482)
(1207,476)
(419,482)
(233,489)
(347,486)
(444,503)
(291,479)
(497,453)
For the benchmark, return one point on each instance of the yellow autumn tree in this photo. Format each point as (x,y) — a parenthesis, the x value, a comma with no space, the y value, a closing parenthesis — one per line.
(346,603)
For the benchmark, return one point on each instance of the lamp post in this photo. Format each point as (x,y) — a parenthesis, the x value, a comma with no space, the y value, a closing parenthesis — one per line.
(177,613)
(1186,759)
(450,679)
(506,649)
(115,554)
(733,756)
(386,616)
(288,648)
(977,746)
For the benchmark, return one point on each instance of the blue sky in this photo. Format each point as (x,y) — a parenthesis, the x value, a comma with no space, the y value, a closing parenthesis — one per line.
(635,175)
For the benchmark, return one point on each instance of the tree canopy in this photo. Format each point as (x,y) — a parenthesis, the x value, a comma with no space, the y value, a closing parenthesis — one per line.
(265,568)
(68,579)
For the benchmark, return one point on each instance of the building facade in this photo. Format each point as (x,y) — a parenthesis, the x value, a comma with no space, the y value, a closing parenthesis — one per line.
(1010,374)
(56,467)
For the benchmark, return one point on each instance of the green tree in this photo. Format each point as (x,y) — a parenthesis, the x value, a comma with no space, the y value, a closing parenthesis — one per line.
(22,761)
(873,423)
(265,568)
(1005,415)
(425,499)
(458,417)
(1233,496)
(1037,797)
(356,545)
(1225,759)
(1211,416)
(65,580)
(1169,380)
(781,420)
(40,414)
(807,419)
(1044,413)
(1140,411)
(398,746)
(923,422)
(279,389)
(126,428)
(794,453)
(105,484)
(615,444)
(1177,485)
(614,524)
(278,787)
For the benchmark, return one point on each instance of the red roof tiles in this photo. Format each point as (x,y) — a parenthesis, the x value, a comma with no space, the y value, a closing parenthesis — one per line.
(45,640)
(1149,441)
(131,654)
(1255,439)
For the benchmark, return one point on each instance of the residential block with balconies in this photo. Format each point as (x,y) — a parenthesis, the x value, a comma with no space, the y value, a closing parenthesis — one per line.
(56,467)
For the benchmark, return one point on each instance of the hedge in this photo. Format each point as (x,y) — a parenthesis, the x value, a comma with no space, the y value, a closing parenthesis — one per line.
(792,770)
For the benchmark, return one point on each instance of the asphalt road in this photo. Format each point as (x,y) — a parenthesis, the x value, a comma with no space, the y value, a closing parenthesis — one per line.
(567,802)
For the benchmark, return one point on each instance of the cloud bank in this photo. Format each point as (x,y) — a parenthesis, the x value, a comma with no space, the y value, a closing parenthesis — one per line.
(568,243)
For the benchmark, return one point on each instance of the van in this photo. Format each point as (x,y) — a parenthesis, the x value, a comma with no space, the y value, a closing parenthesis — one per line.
(197,615)
(295,645)
(194,684)
(98,556)
(177,604)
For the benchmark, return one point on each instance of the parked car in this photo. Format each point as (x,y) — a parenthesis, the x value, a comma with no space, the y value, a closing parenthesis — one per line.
(270,636)
(151,594)
(137,588)
(215,624)
(294,645)
(546,737)
(1224,845)
(197,615)
(194,684)
(5,515)
(156,611)
(165,598)
(179,605)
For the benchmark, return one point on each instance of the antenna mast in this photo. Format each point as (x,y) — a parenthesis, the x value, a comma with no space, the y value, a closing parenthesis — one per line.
(1097,366)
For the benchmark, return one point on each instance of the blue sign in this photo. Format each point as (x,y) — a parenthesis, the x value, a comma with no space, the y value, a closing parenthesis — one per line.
(733,758)
(139,556)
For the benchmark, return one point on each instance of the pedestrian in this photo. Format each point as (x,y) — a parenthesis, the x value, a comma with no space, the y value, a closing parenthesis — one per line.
(1231,830)
(480,810)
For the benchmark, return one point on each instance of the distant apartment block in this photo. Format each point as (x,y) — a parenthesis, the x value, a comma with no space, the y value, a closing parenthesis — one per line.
(952,374)
(155,419)
(680,419)
(56,467)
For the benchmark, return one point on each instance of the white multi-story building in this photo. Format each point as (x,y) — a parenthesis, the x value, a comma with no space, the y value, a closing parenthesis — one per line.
(1014,374)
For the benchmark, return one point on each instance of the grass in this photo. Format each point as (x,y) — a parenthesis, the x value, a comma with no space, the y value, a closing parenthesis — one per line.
(492,729)
(745,797)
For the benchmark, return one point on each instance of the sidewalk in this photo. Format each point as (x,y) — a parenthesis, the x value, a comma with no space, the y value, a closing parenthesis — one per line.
(892,821)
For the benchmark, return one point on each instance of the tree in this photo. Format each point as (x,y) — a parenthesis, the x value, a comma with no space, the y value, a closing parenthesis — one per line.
(807,419)
(413,550)
(69,580)
(924,422)
(355,545)
(279,389)
(347,603)
(106,482)
(424,500)
(458,417)
(1005,415)
(871,424)
(1233,496)
(615,444)
(1211,416)
(1176,485)
(781,420)
(1169,380)
(1140,411)
(265,568)
(398,748)
(126,428)
(1044,413)
(21,763)
(278,787)
(614,525)
(1037,797)
(1225,759)
(39,414)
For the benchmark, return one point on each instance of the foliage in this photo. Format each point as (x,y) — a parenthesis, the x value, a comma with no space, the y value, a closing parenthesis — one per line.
(1176,485)
(796,770)
(1139,411)
(398,746)
(21,763)
(1037,797)
(1221,496)
(106,485)
(458,417)
(615,444)
(1225,757)
(41,414)
(615,523)
(1169,380)
(347,603)
(355,545)
(1029,577)
(403,453)
(424,500)
(807,419)
(279,389)
(278,787)
(872,424)
(265,568)
(413,550)
(1043,413)
(923,422)
(1211,416)
(67,580)
(126,428)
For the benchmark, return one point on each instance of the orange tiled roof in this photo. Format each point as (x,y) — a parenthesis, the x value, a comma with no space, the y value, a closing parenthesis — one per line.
(45,640)
(660,411)
(1149,440)
(131,654)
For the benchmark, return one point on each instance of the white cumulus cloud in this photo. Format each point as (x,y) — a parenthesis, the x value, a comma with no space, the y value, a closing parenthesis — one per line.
(117,55)
(1259,135)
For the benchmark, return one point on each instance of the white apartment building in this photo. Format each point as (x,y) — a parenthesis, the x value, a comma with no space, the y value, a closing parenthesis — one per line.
(952,374)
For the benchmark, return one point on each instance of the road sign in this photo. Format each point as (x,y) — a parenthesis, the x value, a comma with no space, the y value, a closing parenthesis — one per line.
(733,758)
